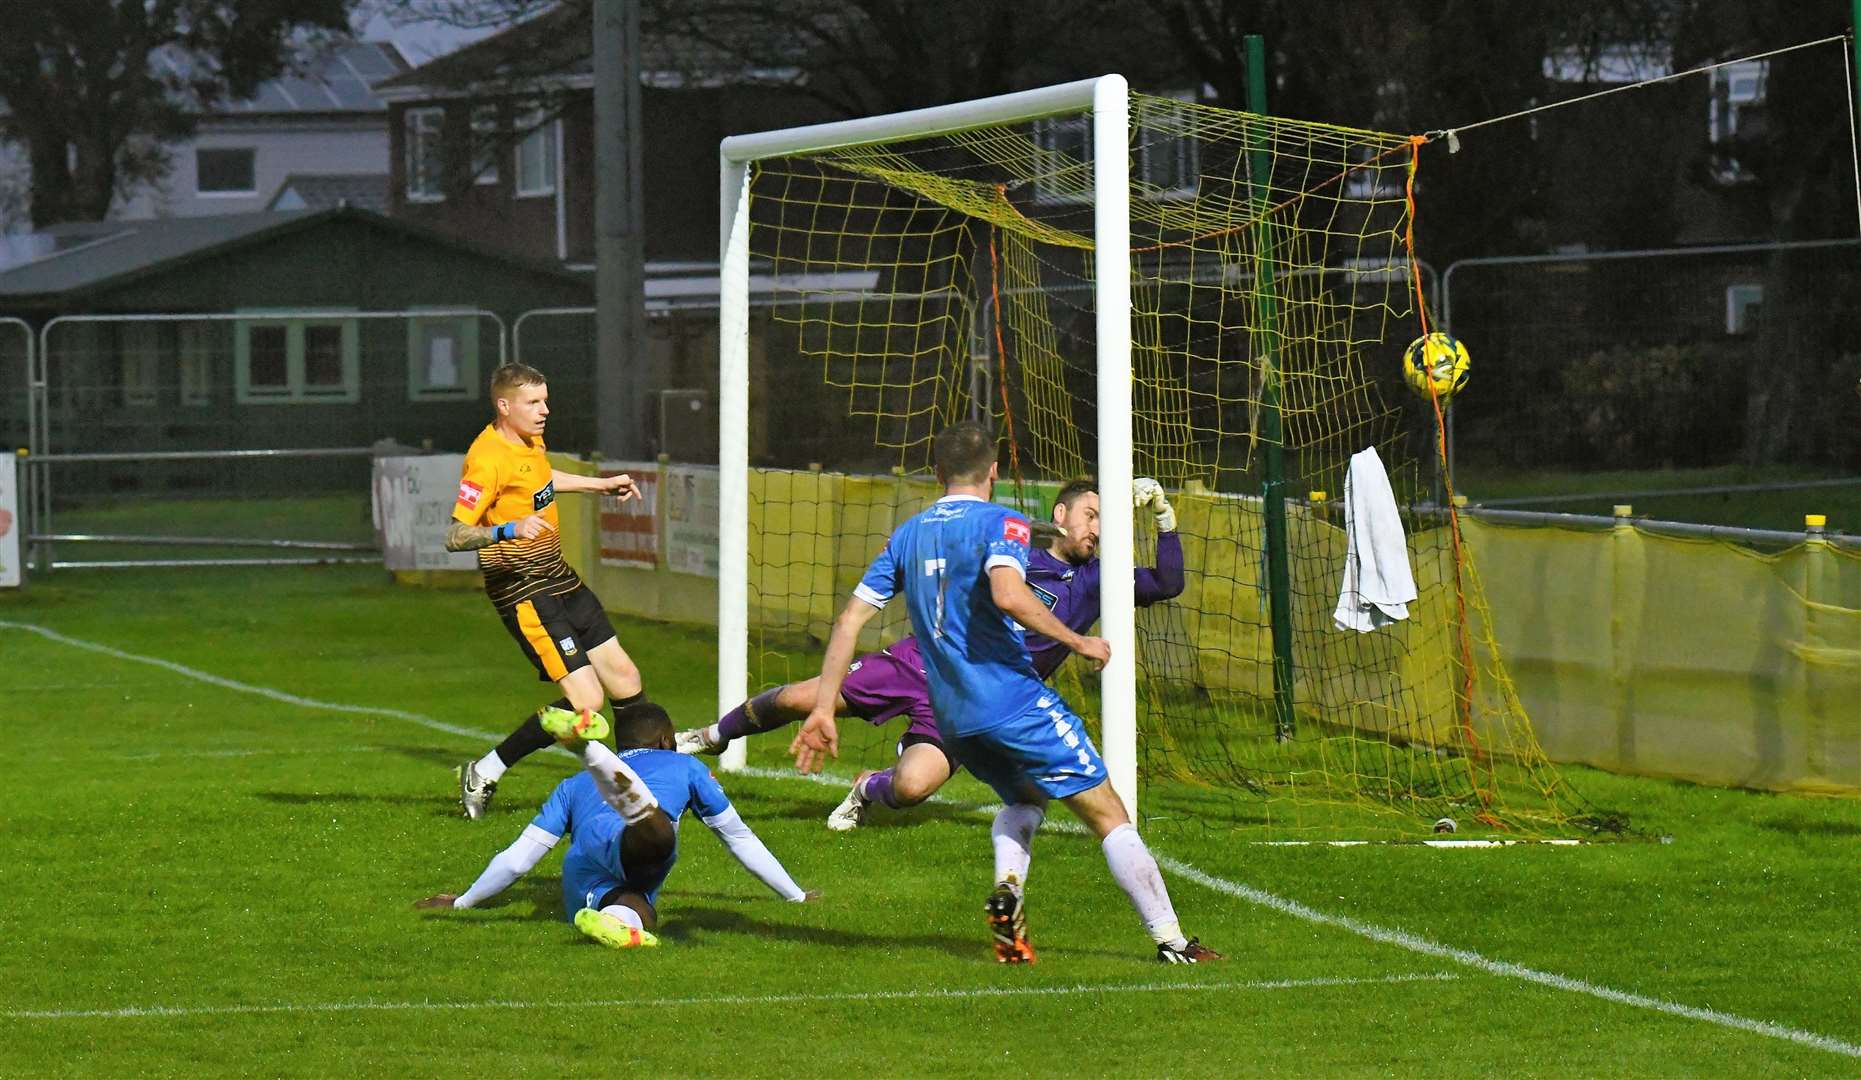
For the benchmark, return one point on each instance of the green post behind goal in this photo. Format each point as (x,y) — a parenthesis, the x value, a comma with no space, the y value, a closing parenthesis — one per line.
(1123,285)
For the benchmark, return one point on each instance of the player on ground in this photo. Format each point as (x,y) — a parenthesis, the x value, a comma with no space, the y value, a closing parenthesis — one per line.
(891,682)
(506,510)
(962,567)
(621,816)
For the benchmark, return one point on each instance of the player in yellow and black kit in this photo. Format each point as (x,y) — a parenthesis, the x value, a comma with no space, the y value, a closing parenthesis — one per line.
(506,510)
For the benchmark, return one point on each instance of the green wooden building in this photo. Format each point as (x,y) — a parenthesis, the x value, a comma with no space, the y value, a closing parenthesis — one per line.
(331,328)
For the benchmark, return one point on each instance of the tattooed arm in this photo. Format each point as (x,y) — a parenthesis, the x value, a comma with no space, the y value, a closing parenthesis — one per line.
(463,537)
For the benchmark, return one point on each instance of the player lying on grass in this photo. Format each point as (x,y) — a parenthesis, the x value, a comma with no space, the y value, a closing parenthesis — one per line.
(891,682)
(962,566)
(621,816)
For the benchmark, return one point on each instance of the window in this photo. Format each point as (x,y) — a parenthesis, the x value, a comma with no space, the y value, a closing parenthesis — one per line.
(297,359)
(1165,164)
(139,346)
(426,163)
(442,358)
(269,365)
(226,171)
(1374,177)
(485,144)
(323,358)
(1736,114)
(1744,308)
(1064,169)
(536,155)
(195,347)
(1168,166)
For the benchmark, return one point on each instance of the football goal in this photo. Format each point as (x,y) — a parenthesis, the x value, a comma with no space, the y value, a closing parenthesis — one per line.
(1123,286)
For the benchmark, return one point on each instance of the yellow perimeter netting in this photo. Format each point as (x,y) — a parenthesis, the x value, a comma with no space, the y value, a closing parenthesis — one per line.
(917,282)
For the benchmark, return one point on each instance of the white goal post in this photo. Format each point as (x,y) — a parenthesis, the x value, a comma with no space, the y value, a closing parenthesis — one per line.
(1106,101)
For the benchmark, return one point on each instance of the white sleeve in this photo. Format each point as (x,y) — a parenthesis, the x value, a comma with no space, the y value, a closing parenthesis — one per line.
(750,851)
(508,865)
(1009,561)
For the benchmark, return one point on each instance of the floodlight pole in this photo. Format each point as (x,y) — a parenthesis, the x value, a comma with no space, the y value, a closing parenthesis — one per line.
(1854,57)
(625,374)
(1272,426)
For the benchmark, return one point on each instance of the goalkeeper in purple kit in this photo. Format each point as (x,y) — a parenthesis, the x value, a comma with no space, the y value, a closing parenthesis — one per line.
(962,567)
(892,682)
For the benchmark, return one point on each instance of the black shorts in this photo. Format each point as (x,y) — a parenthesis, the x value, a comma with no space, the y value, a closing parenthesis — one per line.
(557,632)
(913,737)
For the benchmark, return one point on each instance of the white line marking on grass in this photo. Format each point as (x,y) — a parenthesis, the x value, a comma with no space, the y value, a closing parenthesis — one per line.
(248,688)
(1383,935)
(1414,943)
(732,999)
(1405,940)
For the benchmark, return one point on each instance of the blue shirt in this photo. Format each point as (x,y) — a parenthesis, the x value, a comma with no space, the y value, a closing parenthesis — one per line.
(975,657)
(576,810)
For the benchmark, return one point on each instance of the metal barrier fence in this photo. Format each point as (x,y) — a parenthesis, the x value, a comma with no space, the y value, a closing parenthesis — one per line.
(1743,354)
(683,332)
(17,396)
(242,430)
(1620,360)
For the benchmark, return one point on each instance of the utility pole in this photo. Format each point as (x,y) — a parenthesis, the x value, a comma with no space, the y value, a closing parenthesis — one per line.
(626,383)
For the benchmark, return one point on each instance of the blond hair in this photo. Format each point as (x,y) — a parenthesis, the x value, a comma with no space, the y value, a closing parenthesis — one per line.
(508,377)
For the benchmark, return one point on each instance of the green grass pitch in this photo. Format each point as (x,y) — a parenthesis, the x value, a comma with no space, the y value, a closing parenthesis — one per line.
(207,870)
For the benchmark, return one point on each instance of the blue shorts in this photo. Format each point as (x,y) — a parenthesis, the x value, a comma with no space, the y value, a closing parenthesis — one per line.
(585,879)
(1046,747)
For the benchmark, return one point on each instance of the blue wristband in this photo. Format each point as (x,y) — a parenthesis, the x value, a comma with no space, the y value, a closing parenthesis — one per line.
(503,532)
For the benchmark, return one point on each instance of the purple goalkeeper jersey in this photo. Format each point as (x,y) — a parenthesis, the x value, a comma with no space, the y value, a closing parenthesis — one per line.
(885,684)
(1071,592)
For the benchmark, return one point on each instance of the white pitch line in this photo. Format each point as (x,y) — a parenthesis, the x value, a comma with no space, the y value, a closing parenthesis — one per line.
(1405,940)
(730,999)
(1383,935)
(247,688)
(1414,943)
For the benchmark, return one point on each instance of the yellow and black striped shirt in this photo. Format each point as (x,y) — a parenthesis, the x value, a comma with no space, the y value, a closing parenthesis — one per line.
(506,481)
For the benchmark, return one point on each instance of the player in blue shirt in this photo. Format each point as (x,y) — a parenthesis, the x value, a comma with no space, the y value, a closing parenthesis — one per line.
(962,567)
(891,682)
(621,815)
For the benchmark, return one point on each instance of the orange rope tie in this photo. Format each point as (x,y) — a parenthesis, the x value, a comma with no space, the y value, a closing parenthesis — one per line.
(1267,212)
(1001,360)
(1479,756)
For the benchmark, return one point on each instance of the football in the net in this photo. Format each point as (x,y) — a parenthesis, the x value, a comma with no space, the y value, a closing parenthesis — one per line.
(1436,362)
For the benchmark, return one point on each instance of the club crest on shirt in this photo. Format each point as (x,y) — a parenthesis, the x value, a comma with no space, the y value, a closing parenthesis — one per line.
(1015,529)
(469,494)
(543,497)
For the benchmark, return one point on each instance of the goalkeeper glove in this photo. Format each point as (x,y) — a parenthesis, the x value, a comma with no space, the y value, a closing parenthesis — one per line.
(1147,492)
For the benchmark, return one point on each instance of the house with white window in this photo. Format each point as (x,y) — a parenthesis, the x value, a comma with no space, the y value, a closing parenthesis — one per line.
(323,121)
(495,143)
(334,327)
